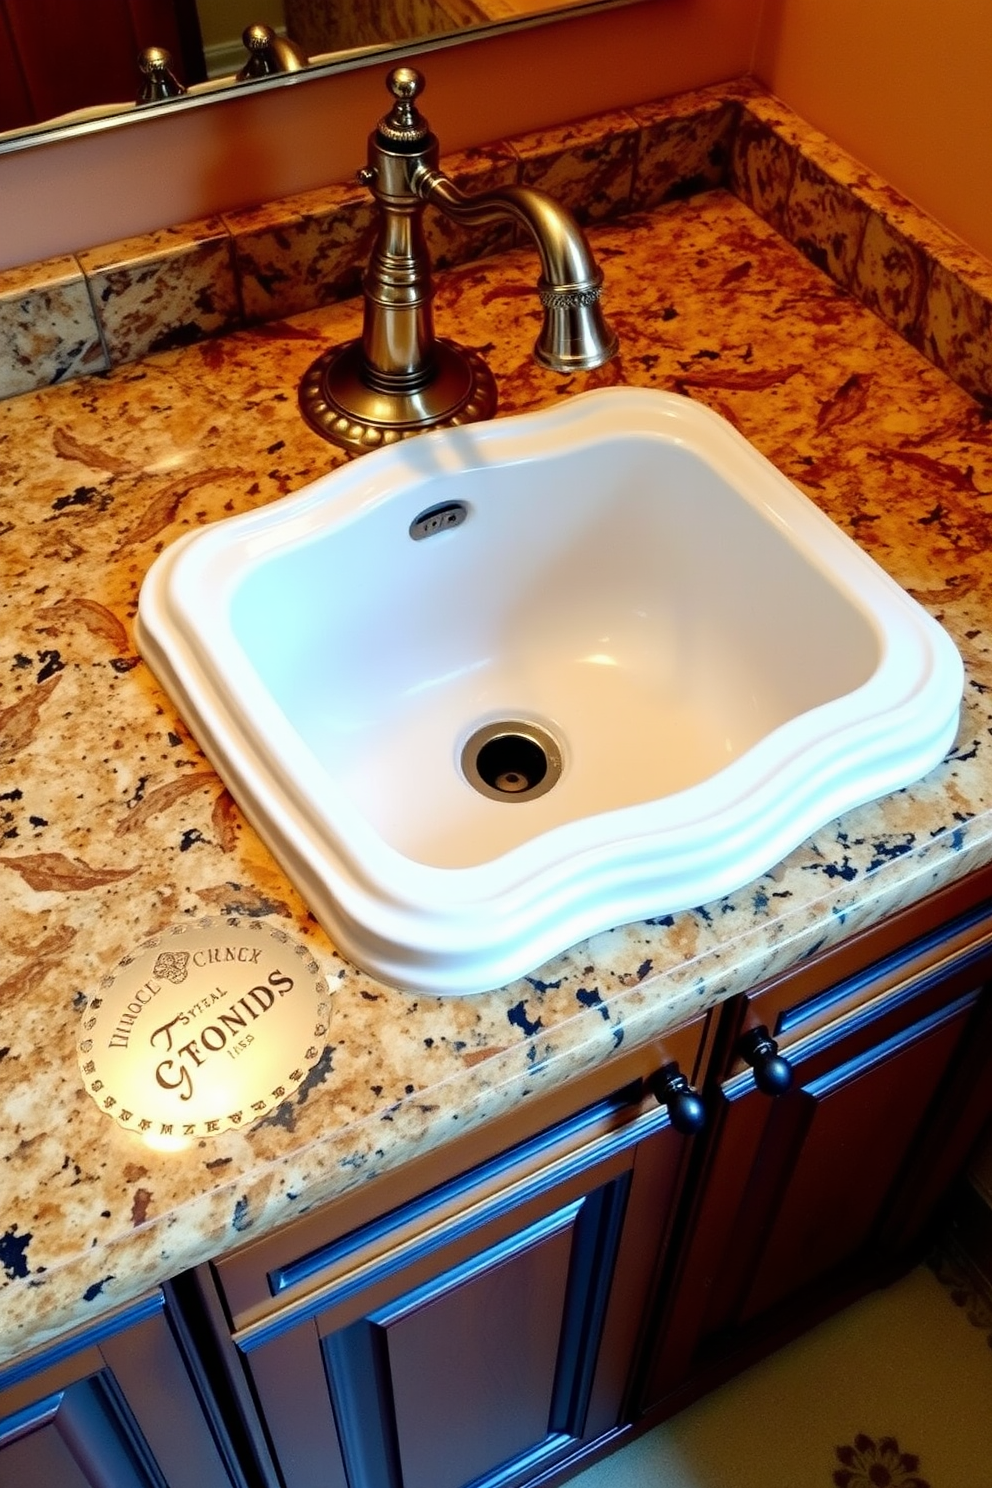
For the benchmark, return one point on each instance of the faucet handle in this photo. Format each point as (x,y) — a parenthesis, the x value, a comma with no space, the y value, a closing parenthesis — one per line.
(404,125)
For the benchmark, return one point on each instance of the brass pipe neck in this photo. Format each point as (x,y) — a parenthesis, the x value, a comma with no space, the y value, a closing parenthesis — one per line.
(574,335)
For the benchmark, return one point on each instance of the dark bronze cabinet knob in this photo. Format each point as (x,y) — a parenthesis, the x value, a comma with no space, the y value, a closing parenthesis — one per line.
(772,1073)
(671,1088)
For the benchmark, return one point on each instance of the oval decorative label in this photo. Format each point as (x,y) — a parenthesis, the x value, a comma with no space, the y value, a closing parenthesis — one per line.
(204,1027)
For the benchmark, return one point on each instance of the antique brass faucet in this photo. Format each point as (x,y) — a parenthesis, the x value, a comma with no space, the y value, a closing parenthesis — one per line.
(398,378)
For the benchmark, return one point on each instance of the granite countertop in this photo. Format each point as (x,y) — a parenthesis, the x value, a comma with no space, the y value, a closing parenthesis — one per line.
(115,827)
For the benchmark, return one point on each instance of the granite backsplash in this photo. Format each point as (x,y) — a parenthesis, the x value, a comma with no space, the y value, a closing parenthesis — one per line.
(109,305)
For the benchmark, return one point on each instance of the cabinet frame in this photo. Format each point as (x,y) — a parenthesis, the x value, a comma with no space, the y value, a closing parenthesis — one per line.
(120,1402)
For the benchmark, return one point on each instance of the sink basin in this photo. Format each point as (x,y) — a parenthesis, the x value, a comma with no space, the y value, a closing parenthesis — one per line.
(490,690)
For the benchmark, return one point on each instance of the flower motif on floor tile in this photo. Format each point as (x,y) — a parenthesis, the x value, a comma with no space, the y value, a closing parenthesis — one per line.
(968,1289)
(877,1464)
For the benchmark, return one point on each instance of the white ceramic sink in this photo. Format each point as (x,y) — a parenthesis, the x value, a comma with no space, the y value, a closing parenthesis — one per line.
(720,669)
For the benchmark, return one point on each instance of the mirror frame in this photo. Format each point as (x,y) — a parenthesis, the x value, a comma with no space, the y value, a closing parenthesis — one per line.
(222,90)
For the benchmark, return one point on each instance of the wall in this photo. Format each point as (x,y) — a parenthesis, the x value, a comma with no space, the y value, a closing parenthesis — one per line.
(904,85)
(224,20)
(221,25)
(62,197)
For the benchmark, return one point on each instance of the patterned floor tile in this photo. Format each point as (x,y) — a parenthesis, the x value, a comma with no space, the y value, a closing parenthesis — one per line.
(893,1392)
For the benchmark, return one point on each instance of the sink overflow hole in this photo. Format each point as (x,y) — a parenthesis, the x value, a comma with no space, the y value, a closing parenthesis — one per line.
(511,761)
(438,519)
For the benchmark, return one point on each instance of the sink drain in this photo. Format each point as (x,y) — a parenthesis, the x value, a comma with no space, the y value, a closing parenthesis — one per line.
(511,761)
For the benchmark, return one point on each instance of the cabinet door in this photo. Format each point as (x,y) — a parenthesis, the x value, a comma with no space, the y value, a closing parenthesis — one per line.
(809,1196)
(77,1438)
(113,1407)
(56,57)
(489,1348)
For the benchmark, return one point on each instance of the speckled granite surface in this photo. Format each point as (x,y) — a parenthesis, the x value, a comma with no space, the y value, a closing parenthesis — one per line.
(113,825)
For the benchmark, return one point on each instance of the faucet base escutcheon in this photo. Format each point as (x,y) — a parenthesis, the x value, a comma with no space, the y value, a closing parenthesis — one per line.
(339,405)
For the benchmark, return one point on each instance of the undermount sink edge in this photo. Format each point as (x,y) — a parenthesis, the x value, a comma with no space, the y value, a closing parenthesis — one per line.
(210,627)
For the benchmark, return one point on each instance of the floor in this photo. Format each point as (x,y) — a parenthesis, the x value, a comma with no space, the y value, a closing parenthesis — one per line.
(896,1392)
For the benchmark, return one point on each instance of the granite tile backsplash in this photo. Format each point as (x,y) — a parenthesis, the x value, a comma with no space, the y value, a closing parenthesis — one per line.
(301,252)
(587,166)
(109,305)
(48,327)
(684,146)
(163,289)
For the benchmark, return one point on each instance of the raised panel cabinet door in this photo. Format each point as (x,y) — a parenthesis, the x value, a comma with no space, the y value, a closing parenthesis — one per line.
(831,1156)
(799,1187)
(75,1438)
(490,1354)
(459,1375)
(113,1405)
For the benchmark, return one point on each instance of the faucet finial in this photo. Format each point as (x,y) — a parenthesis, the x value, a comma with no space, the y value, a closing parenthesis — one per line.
(399,378)
(404,124)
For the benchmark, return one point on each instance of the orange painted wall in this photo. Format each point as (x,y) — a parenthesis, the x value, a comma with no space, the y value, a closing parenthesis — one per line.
(904,85)
(61,197)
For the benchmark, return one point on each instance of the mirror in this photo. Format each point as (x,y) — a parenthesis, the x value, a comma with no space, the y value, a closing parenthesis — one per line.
(66,69)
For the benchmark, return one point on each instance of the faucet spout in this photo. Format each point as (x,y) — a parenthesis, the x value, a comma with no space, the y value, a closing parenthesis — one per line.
(399,378)
(575,335)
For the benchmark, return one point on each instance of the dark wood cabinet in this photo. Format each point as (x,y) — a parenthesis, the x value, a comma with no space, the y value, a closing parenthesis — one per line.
(540,1303)
(114,1406)
(506,1308)
(804,1197)
(488,1342)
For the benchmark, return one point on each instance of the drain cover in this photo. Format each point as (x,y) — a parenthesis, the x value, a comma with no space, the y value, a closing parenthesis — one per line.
(511,761)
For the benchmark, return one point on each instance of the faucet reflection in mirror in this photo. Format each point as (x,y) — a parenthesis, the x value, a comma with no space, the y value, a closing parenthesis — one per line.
(158,81)
(398,378)
(269,53)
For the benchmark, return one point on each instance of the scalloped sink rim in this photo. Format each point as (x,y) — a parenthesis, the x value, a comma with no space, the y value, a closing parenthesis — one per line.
(441,929)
